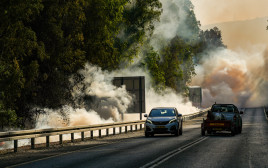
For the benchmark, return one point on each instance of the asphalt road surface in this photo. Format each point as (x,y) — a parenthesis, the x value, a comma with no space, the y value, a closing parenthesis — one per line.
(248,149)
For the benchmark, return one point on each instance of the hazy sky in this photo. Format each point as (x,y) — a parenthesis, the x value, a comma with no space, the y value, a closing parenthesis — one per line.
(242,22)
(218,11)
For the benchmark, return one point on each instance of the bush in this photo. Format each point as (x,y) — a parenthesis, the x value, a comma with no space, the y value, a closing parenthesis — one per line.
(8,117)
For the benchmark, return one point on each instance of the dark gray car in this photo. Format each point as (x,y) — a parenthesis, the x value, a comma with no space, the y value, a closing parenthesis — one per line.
(163,120)
(223,117)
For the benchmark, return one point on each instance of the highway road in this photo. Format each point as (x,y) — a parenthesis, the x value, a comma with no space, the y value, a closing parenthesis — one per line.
(248,149)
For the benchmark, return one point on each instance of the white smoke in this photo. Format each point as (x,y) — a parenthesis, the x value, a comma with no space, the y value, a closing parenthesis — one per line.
(79,116)
(167,98)
(99,101)
(172,23)
(96,98)
(109,100)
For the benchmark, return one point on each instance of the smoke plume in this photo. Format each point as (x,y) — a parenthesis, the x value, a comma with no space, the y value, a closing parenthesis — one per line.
(237,77)
(172,23)
(166,98)
(97,100)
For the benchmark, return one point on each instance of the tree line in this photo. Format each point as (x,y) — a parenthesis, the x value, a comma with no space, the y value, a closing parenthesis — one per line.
(44,42)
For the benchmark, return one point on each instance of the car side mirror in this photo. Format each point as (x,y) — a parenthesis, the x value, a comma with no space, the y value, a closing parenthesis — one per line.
(179,115)
(145,115)
(241,112)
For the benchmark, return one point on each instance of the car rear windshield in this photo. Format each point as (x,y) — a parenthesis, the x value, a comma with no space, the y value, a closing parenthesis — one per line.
(162,113)
(221,108)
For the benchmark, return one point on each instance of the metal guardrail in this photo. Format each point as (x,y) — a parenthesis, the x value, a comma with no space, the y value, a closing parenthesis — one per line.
(32,134)
(194,115)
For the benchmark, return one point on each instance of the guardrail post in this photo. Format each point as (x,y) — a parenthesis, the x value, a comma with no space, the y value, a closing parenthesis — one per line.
(72,137)
(15,145)
(107,131)
(125,129)
(60,137)
(120,130)
(99,133)
(114,131)
(136,127)
(131,129)
(32,143)
(91,134)
(82,136)
(47,141)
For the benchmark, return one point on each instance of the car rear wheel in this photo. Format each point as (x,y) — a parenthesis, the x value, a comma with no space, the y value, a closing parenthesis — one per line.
(203,132)
(209,131)
(237,130)
(240,130)
(146,134)
(233,131)
(176,133)
(180,131)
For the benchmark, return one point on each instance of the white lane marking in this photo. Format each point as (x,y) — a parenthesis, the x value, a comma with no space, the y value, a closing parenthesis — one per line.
(169,155)
(250,159)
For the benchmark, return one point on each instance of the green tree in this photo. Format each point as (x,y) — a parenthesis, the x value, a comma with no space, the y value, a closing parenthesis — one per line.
(100,30)
(208,40)
(8,117)
(211,38)
(60,28)
(177,58)
(191,23)
(152,62)
(20,52)
(138,24)
(178,64)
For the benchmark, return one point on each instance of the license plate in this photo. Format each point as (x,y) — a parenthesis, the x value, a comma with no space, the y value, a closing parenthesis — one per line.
(216,129)
(216,124)
(160,127)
